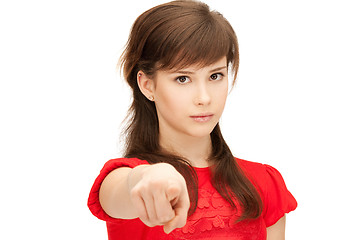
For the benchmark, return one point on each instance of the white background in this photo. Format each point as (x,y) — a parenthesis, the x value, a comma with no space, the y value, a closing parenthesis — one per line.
(295,106)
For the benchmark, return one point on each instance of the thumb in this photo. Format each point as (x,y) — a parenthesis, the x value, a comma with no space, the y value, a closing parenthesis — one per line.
(181,209)
(180,203)
(172,194)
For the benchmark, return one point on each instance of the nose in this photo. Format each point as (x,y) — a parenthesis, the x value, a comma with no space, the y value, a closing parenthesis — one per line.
(203,96)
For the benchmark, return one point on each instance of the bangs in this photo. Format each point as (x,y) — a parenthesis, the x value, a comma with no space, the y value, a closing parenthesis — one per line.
(200,45)
(189,36)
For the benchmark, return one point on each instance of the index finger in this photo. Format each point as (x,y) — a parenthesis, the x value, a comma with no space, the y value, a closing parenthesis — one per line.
(181,208)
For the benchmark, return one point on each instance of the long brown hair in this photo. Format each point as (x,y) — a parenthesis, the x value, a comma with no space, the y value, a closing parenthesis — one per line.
(176,35)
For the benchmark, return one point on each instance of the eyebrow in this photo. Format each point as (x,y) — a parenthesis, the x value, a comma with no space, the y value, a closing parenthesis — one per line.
(190,72)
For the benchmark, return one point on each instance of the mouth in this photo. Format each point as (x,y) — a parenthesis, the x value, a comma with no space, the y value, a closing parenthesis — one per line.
(203,117)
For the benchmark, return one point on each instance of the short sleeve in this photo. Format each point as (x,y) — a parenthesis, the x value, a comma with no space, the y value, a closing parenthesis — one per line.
(93,200)
(277,200)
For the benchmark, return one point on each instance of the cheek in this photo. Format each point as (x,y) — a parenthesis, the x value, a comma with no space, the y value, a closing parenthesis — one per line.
(170,101)
(220,94)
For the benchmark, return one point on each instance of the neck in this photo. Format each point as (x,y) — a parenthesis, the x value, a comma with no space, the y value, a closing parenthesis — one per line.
(195,149)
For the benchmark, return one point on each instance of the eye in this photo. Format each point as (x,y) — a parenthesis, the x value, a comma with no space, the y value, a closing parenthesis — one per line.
(182,79)
(216,76)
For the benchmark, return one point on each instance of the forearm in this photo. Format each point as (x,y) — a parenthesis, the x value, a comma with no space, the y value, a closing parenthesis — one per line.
(277,231)
(114,192)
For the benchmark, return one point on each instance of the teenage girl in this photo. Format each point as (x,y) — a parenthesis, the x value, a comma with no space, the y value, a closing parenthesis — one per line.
(179,179)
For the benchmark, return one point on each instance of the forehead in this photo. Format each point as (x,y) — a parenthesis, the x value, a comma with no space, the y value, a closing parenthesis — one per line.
(192,68)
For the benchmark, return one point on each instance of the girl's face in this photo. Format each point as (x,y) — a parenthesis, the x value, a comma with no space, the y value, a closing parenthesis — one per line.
(190,101)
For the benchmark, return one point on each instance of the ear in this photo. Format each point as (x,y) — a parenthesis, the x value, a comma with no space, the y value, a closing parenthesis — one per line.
(146,85)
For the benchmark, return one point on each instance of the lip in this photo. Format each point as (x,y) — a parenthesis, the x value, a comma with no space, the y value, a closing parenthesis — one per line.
(202,117)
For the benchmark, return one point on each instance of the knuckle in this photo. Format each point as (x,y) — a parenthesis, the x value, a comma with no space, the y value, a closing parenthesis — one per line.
(148,223)
(134,192)
(151,224)
(175,185)
(143,217)
(155,183)
(164,218)
(174,189)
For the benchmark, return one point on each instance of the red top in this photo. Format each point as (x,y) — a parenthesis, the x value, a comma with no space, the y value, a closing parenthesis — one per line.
(213,218)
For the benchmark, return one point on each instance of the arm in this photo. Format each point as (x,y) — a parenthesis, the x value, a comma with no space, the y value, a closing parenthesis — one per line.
(277,231)
(157,194)
(114,195)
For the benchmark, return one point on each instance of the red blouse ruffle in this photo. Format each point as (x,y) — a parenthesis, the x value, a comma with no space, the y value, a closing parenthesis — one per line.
(213,218)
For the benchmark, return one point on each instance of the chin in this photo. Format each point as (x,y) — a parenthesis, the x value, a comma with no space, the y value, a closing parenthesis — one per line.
(201,132)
